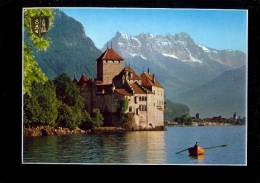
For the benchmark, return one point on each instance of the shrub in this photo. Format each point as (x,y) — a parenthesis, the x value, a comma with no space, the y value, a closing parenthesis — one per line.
(97,118)
(41,108)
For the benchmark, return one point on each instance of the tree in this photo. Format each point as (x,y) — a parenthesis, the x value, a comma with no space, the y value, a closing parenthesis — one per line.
(97,118)
(71,109)
(32,72)
(67,92)
(40,108)
(88,122)
(186,119)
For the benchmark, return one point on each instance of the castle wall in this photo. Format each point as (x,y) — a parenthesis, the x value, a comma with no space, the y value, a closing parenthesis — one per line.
(148,109)
(88,96)
(156,107)
(110,69)
(139,108)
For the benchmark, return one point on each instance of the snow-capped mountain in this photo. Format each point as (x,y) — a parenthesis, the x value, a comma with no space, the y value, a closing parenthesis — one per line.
(179,47)
(179,63)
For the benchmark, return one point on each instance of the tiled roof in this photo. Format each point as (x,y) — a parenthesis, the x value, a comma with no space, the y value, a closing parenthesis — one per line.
(147,80)
(137,89)
(122,91)
(128,69)
(110,54)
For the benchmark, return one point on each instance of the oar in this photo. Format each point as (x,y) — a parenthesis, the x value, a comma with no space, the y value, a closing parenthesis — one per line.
(182,150)
(224,145)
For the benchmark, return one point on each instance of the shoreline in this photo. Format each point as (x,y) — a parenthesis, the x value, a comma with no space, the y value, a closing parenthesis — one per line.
(214,125)
(51,131)
(39,131)
(59,131)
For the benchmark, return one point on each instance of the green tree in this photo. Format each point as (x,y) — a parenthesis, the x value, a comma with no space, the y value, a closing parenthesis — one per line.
(88,122)
(65,116)
(67,91)
(32,72)
(72,109)
(184,119)
(40,108)
(97,118)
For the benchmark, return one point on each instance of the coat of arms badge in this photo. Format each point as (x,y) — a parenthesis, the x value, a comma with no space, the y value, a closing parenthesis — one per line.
(40,25)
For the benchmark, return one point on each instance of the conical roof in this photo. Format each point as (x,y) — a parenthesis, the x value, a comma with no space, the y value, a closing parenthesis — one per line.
(110,54)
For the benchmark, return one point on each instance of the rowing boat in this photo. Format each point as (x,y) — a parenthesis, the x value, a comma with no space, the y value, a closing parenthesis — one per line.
(196,150)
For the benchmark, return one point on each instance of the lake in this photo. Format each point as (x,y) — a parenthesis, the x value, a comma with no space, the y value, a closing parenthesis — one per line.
(140,147)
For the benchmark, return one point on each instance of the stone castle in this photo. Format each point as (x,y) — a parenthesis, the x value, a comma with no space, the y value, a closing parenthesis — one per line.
(115,83)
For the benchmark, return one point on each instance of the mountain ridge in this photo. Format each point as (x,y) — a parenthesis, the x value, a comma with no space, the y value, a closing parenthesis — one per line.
(225,95)
(72,51)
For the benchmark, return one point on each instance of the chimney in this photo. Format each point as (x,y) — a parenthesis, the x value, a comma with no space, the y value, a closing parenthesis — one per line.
(153,78)
(148,70)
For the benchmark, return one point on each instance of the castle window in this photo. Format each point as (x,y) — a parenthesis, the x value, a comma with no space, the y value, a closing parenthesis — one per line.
(130,108)
(136,99)
(110,61)
(116,61)
(140,107)
(140,98)
(137,111)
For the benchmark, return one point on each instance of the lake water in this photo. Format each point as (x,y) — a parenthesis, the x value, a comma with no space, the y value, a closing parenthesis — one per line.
(142,147)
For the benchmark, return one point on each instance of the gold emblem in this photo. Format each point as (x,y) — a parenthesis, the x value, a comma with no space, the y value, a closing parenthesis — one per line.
(40,25)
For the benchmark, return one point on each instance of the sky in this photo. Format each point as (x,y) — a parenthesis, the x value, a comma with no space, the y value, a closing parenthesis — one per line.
(219,29)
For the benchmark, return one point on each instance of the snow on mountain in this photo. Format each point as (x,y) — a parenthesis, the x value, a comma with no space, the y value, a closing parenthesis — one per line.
(170,55)
(177,61)
(179,47)
(204,48)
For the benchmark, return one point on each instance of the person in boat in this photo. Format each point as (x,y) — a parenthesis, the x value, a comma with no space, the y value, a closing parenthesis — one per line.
(196,145)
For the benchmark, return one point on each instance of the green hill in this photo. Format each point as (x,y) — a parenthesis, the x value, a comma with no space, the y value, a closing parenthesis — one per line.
(71,51)
(174,110)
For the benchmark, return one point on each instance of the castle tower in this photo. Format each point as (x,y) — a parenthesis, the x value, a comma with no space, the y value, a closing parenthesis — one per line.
(109,64)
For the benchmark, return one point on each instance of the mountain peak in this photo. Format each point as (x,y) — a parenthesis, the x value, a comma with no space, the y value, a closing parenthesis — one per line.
(122,34)
(183,36)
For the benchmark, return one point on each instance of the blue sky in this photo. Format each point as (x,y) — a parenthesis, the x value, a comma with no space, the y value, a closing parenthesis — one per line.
(220,29)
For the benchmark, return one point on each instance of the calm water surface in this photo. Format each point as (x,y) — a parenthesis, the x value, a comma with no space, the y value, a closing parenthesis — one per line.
(149,147)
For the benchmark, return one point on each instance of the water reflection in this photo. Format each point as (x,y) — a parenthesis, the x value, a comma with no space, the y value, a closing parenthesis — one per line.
(146,147)
(158,147)
(200,158)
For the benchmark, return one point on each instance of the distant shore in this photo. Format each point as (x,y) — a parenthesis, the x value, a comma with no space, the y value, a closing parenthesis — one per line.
(203,124)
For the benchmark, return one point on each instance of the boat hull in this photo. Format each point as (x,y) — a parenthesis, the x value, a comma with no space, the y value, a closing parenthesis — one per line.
(196,151)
